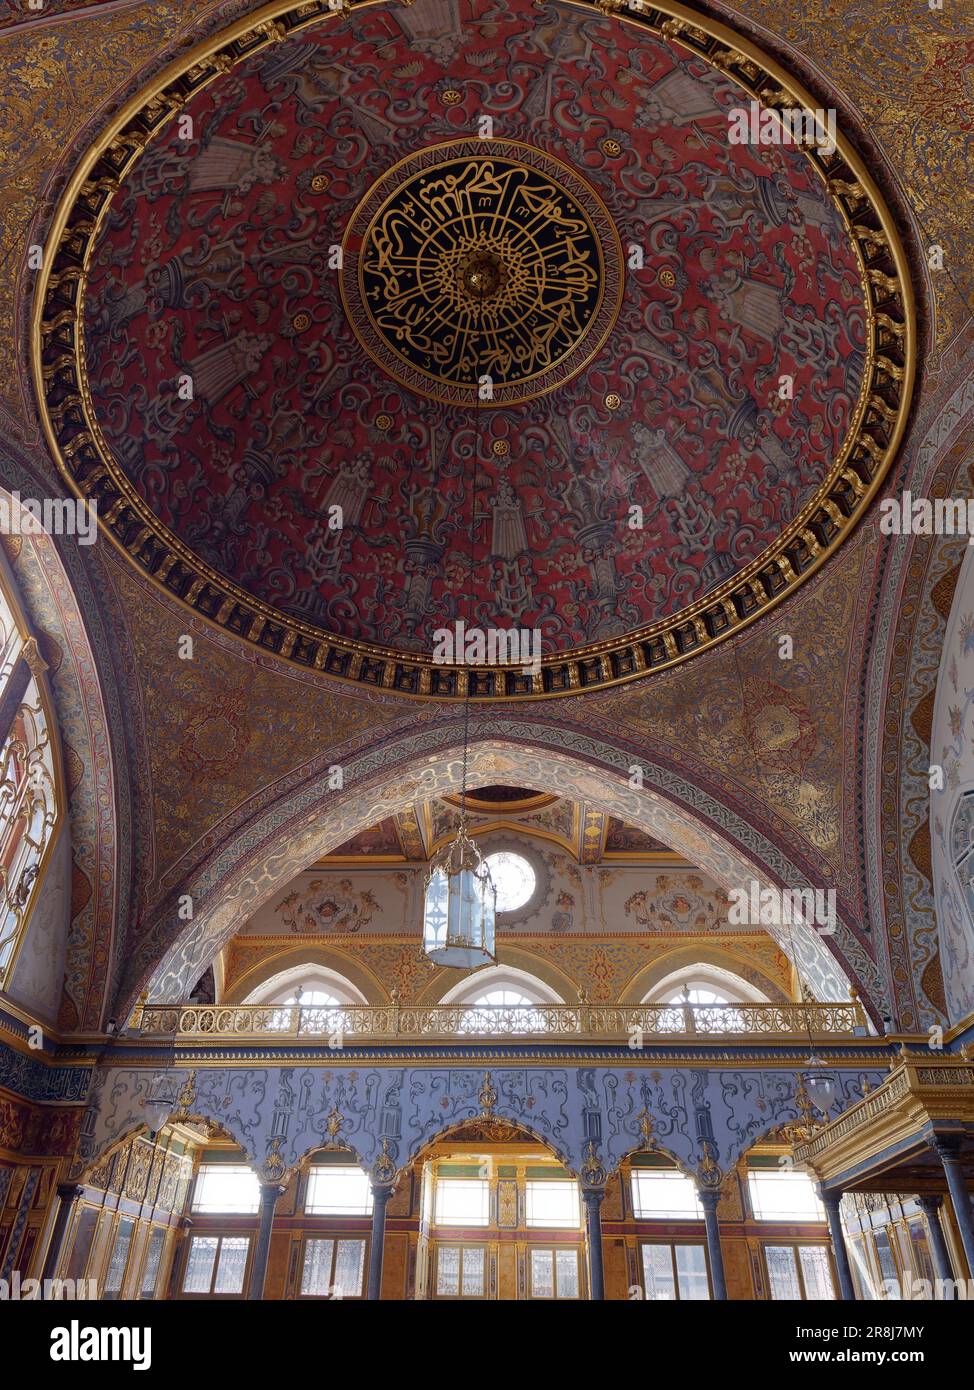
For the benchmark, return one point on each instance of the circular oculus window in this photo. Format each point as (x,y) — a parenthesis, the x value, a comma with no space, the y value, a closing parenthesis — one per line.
(513,877)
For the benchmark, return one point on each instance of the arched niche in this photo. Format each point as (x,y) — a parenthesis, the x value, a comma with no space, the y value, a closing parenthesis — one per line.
(263,858)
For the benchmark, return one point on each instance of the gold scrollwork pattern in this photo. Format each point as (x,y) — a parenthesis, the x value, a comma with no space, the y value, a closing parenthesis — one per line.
(450,1021)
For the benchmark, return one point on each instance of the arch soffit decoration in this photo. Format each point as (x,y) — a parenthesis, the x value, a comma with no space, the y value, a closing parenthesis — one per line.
(261,859)
(951,817)
(56,594)
(898,686)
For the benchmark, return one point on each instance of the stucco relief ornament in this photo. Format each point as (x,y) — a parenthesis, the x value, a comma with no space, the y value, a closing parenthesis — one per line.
(273,1167)
(384,1170)
(592,1171)
(798,1131)
(488,1097)
(333,1125)
(709,1171)
(645,1122)
(186,1100)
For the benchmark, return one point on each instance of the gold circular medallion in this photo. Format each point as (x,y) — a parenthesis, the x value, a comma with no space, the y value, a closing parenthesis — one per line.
(613,401)
(481,271)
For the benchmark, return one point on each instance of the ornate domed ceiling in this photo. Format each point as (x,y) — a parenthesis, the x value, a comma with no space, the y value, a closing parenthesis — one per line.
(497,284)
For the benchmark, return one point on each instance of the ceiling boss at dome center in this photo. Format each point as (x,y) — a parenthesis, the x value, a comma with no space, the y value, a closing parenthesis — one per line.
(536,373)
(482,277)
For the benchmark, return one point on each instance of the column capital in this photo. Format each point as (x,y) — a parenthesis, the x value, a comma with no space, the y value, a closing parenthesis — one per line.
(709,1197)
(382,1191)
(946,1146)
(593,1196)
(931,1202)
(830,1197)
(270,1192)
(68,1191)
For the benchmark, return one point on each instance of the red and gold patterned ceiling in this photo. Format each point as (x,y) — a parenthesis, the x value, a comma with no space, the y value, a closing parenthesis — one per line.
(495,289)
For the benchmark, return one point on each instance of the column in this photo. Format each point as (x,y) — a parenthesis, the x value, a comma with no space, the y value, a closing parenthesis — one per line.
(709,1201)
(269,1194)
(930,1206)
(830,1198)
(592,1197)
(949,1150)
(381,1192)
(66,1192)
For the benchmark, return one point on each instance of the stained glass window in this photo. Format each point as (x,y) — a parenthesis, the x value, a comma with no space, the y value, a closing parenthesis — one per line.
(333,1268)
(816,1271)
(782,1272)
(150,1270)
(216,1264)
(674,1272)
(199,1264)
(554,1273)
(116,1265)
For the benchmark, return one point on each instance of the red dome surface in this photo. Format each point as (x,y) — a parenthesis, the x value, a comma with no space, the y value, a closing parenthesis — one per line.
(723,269)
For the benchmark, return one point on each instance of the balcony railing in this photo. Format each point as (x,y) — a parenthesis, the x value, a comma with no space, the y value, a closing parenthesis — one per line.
(444,1022)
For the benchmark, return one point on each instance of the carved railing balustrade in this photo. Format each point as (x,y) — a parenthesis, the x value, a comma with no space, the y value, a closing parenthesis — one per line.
(446,1022)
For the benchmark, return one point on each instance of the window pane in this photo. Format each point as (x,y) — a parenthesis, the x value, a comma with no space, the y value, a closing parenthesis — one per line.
(150,1270)
(199,1265)
(887,1265)
(784,1197)
(691,1272)
(448,1270)
(116,1265)
(349,1268)
(462,1202)
(472,1285)
(816,1272)
(226,1187)
(316,1272)
(782,1272)
(552,1204)
(233,1262)
(566,1273)
(921,1250)
(664,1194)
(338,1191)
(861,1273)
(658,1273)
(542,1274)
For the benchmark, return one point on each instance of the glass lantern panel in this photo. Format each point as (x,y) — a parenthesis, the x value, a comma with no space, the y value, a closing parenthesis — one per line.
(435,911)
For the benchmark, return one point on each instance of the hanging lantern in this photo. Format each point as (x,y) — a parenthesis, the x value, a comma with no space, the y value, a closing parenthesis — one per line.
(158,1103)
(460,906)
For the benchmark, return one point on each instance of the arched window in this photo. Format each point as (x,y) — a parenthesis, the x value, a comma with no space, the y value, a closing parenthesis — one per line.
(703,986)
(502,999)
(312,999)
(30,807)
